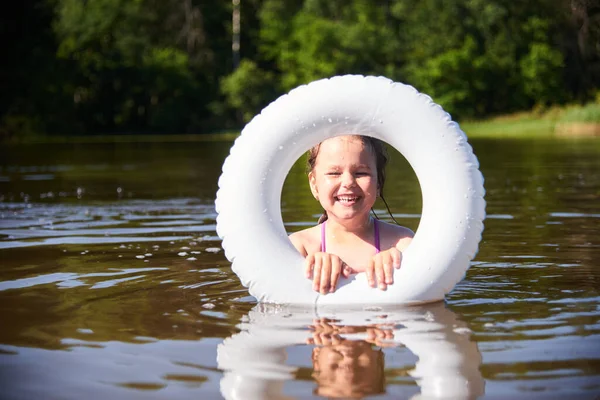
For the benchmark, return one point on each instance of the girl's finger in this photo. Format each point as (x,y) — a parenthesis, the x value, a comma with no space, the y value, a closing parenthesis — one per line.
(317,273)
(370,335)
(336,269)
(317,339)
(336,340)
(388,269)
(370,273)
(325,339)
(325,274)
(308,265)
(346,270)
(380,273)
(397,257)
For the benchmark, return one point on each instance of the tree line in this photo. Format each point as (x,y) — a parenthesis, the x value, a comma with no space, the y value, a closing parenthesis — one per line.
(167,66)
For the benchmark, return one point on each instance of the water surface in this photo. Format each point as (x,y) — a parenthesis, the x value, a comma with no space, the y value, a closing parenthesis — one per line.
(113,284)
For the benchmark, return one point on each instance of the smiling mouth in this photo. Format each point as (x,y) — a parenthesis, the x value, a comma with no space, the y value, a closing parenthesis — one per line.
(347,199)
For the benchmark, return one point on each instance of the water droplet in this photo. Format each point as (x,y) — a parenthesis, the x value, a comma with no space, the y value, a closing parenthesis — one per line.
(330,120)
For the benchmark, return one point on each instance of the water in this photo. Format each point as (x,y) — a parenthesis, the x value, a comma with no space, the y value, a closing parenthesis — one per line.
(112,285)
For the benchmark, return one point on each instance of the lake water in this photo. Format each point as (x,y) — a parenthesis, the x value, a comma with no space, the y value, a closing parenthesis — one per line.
(113,285)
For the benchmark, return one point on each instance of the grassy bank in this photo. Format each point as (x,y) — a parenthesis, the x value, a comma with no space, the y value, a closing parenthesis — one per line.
(573,120)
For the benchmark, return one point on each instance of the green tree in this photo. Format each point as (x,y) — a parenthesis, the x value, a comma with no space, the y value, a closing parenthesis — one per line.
(301,41)
(248,89)
(145,65)
(479,57)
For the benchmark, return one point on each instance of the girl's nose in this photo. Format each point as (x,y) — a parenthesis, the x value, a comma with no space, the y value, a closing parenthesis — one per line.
(348,179)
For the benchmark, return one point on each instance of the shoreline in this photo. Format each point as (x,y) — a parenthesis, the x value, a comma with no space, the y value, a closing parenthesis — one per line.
(572,122)
(473,129)
(578,129)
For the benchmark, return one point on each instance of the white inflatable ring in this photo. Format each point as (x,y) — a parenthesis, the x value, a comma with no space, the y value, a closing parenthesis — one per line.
(248,201)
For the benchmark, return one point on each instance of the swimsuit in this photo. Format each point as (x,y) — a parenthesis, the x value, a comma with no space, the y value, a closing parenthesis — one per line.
(375,226)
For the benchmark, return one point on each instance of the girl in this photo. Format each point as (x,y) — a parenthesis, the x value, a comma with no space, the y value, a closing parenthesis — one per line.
(346,175)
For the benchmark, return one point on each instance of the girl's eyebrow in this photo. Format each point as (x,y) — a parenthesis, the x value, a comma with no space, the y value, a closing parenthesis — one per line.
(357,166)
(362,166)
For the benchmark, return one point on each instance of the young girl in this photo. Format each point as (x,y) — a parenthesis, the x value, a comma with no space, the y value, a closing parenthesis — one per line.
(346,175)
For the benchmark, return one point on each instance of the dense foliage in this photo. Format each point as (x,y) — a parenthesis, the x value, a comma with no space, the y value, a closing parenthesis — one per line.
(139,66)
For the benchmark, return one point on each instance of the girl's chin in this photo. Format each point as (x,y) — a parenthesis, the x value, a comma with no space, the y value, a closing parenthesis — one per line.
(346,213)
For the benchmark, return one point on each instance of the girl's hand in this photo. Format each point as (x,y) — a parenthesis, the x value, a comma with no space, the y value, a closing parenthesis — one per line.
(381,267)
(325,269)
(326,332)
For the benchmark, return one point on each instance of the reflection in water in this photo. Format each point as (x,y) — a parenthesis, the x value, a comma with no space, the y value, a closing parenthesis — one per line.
(346,368)
(349,357)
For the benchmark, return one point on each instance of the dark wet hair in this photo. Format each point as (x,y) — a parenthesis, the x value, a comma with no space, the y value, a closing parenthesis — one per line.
(381,158)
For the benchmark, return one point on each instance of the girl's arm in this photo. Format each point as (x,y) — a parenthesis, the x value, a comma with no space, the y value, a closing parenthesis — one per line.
(296,240)
(404,242)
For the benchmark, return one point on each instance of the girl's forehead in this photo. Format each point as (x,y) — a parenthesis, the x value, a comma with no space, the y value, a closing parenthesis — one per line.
(344,149)
(342,144)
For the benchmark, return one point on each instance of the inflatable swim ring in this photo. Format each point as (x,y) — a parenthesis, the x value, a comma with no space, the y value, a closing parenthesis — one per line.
(248,201)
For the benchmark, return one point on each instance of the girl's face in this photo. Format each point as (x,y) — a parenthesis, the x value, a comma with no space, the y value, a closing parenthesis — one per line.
(352,369)
(344,179)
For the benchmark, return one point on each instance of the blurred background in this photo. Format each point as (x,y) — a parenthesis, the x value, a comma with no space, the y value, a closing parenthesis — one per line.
(74,67)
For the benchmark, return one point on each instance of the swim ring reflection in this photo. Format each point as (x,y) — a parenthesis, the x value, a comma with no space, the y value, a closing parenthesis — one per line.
(255,360)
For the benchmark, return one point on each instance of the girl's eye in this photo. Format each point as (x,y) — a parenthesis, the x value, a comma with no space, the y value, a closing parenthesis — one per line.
(333,174)
(362,174)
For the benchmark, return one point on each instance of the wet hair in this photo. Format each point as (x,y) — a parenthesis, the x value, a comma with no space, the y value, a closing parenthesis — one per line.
(378,149)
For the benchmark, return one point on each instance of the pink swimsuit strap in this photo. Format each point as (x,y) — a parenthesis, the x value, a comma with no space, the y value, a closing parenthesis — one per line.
(324,246)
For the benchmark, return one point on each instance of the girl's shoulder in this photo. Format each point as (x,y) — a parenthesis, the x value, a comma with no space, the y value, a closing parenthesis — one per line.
(393,235)
(307,240)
